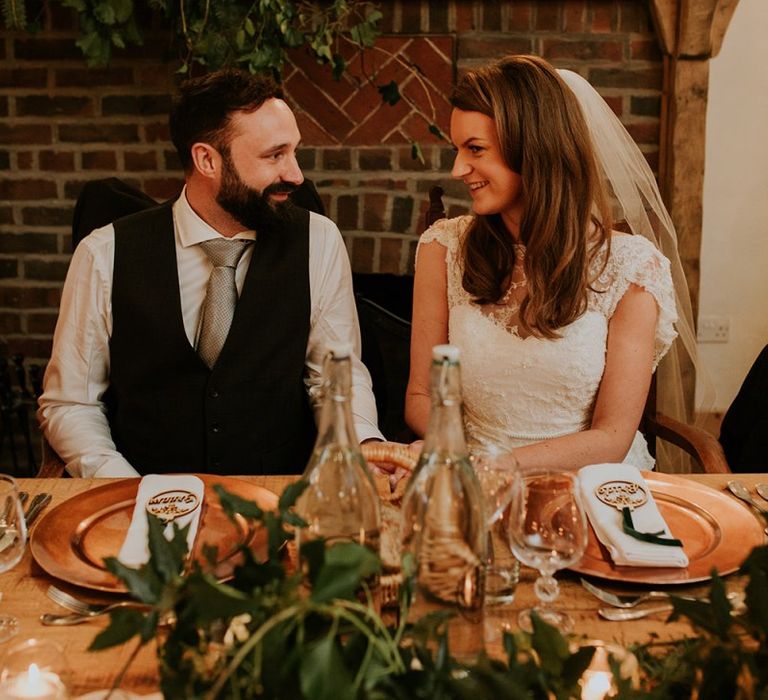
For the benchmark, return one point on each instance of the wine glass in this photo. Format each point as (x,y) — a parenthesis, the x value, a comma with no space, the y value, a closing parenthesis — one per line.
(13,540)
(495,471)
(547,531)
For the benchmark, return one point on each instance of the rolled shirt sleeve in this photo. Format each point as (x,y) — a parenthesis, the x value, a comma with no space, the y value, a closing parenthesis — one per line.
(72,413)
(333,320)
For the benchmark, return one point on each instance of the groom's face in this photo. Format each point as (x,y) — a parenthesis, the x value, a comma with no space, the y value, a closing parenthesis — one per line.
(259,167)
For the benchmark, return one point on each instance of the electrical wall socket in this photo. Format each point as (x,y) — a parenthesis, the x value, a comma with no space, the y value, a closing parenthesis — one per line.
(714,329)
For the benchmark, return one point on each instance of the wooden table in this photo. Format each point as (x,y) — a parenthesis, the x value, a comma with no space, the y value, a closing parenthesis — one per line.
(24,589)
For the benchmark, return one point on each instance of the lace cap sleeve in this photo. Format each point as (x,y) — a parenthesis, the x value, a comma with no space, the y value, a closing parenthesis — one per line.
(635,260)
(449,233)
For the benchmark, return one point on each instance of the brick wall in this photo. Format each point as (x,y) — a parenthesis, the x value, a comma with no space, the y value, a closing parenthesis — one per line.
(62,124)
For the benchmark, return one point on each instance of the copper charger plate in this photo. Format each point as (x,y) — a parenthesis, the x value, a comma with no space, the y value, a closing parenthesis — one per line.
(717,533)
(71,541)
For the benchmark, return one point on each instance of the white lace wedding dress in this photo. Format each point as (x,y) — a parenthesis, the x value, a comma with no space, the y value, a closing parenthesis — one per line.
(519,390)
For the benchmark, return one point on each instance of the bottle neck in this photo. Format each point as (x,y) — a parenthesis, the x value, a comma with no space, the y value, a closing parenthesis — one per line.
(446,426)
(335,424)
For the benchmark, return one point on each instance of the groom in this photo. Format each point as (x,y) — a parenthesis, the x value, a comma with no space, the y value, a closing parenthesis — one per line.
(191,335)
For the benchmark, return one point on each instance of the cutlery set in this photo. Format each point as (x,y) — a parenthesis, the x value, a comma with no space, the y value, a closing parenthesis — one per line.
(622,606)
(82,611)
(38,504)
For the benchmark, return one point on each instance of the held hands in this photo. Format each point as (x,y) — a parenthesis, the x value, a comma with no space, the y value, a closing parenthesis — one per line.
(392,459)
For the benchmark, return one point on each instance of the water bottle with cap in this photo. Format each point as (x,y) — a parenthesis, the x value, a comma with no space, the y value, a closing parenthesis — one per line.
(340,504)
(444,531)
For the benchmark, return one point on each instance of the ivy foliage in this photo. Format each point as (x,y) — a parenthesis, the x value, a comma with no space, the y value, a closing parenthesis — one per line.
(215,33)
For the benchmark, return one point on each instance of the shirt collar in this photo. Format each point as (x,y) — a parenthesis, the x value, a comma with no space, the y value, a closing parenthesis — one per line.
(192,229)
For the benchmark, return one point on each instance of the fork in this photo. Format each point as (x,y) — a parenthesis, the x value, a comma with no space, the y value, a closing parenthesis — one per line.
(82,607)
(622,601)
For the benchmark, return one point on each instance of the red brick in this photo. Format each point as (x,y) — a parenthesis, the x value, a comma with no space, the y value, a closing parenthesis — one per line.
(437,20)
(491,16)
(492,46)
(615,103)
(395,137)
(46,270)
(56,161)
(6,217)
(520,15)
(645,50)
(410,265)
(402,214)
(384,184)
(46,216)
(23,77)
(465,15)
(653,160)
(46,49)
(156,76)
(347,212)
(312,134)
(374,212)
(29,242)
(634,17)
(363,101)
(381,122)
(390,253)
(27,189)
(31,348)
(547,17)
(29,297)
(163,188)
(307,94)
(41,323)
(10,323)
(141,105)
(644,132)
(646,78)
(156,132)
(99,160)
(410,16)
(26,134)
(603,16)
(9,269)
(60,17)
(555,49)
(93,77)
(574,16)
(362,254)
(98,133)
(146,160)
(322,76)
(436,65)
(45,106)
(417,128)
(437,111)
(24,160)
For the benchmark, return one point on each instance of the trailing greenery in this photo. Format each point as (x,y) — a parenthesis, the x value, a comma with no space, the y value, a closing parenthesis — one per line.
(267,634)
(255,35)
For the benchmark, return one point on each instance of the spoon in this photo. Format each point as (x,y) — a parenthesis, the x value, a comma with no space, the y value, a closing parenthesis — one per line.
(762,489)
(738,489)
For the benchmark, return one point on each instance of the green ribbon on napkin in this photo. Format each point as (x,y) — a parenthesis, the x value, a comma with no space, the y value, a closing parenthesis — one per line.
(653,537)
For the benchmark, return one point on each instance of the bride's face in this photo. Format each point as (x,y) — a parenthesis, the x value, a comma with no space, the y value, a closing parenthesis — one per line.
(494,187)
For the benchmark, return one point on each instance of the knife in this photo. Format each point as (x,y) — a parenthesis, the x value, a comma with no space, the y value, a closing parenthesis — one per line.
(38,503)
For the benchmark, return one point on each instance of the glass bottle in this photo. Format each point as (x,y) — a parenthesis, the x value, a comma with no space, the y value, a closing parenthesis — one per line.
(444,530)
(340,504)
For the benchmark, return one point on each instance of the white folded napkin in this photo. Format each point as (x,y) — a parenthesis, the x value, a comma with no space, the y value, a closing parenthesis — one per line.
(162,495)
(607,520)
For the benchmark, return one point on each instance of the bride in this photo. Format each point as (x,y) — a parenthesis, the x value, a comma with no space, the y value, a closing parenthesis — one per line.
(561,319)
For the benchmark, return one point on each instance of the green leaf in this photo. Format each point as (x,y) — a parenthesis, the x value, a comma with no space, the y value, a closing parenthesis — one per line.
(390,93)
(575,665)
(549,644)
(416,152)
(167,556)
(346,565)
(322,673)
(143,583)
(291,494)
(124,623)
(339,66)
(232,504)
(210,600)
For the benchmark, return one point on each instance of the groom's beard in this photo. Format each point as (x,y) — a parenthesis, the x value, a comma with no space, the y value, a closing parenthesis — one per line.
(250,207)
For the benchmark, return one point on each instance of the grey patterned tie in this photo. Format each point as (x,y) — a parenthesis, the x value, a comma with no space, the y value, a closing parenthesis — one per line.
(220,296)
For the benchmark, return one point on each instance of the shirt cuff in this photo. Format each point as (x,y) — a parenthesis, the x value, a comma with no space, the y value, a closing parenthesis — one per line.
(109,468)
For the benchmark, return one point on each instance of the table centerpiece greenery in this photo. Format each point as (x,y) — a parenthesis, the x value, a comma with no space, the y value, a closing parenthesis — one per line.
(274,632)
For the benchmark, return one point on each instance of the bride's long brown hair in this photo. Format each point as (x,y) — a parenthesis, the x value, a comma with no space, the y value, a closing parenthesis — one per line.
(566,219)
